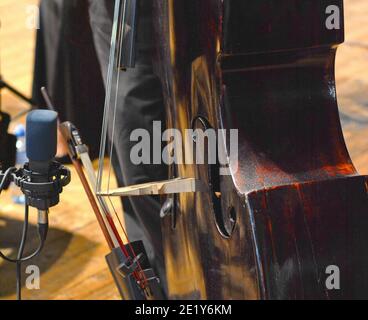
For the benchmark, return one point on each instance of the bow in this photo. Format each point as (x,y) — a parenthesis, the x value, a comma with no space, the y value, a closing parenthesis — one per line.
(127,260)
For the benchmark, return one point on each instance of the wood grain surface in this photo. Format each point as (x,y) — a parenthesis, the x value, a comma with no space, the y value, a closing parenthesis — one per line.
(73,264)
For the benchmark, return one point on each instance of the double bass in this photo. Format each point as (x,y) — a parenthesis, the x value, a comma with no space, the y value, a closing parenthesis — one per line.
(292,211)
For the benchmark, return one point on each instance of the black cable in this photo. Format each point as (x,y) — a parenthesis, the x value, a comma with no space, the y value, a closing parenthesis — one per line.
(42,233)
(38,250)
(5,180)
(20,253)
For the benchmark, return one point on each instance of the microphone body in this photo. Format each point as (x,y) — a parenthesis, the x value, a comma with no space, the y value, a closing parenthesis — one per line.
(41,171)
(41,179)
(41,140)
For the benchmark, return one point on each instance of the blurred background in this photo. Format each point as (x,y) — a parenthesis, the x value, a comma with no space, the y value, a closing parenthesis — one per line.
(72,264)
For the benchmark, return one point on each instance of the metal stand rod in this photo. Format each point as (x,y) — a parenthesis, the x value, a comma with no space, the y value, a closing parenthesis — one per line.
(5,85)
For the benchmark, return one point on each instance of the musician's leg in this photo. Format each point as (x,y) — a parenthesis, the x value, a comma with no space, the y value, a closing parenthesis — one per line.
(140,103)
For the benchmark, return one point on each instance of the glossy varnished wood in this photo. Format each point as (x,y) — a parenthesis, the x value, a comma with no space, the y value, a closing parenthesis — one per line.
(73,262)
(299,204)
(75,269)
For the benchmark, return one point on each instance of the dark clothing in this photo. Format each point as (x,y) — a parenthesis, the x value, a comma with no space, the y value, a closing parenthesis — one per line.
(72,56)
(140,103)
(66,64)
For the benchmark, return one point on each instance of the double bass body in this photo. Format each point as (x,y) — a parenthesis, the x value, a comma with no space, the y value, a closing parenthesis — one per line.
(295,207)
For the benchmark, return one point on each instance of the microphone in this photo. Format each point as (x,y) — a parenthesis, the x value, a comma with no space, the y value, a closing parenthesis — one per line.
(43,179)
(41,139)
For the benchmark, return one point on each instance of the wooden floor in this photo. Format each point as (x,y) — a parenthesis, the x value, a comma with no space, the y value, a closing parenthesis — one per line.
(72,264)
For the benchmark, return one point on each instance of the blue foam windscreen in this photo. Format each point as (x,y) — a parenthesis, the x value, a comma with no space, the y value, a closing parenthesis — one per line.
(41,135)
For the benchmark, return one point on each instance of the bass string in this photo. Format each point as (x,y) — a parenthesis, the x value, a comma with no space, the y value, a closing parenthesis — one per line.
(117,63)
(113,136)
(110,74)
(114,73)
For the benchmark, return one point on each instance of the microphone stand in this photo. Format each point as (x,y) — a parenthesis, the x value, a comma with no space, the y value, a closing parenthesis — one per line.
(17,93)
(6,85)
(21,96)
(40,195)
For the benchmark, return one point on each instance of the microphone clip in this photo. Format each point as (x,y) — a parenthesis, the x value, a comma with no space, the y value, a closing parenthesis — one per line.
(42,195)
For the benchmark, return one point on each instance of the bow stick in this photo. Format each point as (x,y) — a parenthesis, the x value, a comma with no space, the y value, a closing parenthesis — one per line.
(123,257)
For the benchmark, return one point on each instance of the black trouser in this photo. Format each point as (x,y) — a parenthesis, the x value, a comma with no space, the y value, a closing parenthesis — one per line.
(140,103)
(64,54)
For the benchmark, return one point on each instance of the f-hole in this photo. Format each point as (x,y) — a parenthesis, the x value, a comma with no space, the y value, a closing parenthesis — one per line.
(214,179)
